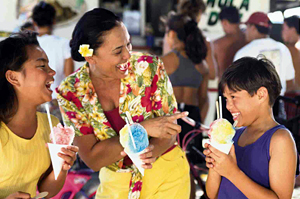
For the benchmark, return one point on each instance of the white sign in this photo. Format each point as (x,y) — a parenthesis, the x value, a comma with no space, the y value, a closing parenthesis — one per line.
(210,22)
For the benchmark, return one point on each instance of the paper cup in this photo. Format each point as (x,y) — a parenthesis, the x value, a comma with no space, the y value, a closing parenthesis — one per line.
(135,157)
(57,161)
(225,148)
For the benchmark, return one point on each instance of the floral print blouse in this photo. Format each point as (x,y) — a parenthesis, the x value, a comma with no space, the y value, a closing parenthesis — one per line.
(146,92)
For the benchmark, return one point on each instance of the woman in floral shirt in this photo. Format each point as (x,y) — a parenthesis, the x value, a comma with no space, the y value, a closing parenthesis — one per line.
(95,98)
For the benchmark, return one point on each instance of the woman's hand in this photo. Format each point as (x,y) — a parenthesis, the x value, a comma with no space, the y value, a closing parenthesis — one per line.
(146,157)
(163,127)
(222,163)
(69,155)
(19,195)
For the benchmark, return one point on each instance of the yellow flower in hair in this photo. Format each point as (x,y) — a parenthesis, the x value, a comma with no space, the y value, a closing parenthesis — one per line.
(85,50)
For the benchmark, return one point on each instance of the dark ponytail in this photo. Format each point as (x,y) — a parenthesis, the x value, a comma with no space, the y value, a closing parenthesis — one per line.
(188,32)
(13,54)
(90,29)
(195,46)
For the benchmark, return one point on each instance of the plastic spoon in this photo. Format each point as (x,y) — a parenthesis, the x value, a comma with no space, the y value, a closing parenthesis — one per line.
(41,195)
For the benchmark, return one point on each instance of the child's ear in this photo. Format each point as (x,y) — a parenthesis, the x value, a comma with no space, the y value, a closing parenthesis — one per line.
(13,77)
(262,93)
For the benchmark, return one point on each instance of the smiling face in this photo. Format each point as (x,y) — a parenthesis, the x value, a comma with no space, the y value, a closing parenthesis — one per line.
(110,59)
(35,78)
(242,106)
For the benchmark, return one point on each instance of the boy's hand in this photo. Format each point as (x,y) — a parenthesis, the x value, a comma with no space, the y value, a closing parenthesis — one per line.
(222,163)
(18,195)
(208,159)
(69,155)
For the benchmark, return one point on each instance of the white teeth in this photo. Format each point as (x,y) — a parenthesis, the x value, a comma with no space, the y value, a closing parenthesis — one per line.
(123,66)
(235,114)
(49,83)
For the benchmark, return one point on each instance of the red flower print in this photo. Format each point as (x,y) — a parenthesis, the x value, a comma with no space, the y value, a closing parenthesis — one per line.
(138,118)
(71,114)
(86,130)
(71,97)
(174,110)
(150,100)
(128,88)
(137,186)
(146,58)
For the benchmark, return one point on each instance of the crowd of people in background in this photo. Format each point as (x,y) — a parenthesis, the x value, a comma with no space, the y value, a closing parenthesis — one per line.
(114,80)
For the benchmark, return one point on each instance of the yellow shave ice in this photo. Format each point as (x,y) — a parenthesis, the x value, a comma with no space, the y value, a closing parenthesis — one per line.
(221,133)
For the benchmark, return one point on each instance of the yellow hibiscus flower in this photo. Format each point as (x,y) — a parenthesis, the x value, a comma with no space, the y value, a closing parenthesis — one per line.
(66,85)
(82,88)
(85,50)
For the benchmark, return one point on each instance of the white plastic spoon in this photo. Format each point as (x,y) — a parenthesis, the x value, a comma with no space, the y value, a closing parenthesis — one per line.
(41,195)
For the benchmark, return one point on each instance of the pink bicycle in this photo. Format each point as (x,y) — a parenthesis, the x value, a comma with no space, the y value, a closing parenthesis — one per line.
(196,169)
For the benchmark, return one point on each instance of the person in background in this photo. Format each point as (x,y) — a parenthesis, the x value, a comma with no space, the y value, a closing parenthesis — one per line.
(226,46)
(57,48)
(234,39)
(194,9)
(25,79)
(188,75)
(27,26)
(263,152)
(257,34)
(291,37)
(95,100)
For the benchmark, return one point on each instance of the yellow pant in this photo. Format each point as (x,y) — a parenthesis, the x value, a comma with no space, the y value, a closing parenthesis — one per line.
(169,178)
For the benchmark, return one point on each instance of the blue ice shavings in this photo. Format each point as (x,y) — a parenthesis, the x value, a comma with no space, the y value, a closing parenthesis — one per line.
(140,137)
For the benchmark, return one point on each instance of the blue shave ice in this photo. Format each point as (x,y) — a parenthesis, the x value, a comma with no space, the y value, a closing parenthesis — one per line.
(140,137)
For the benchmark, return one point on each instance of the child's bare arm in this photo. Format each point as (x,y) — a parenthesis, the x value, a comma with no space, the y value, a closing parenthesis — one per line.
(212,184)
(283,162)
(214,179)
(47,181)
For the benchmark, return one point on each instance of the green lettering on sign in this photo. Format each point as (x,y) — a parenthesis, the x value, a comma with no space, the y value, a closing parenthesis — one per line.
(213,18)
(221,5)
(245,4)
(212,2)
